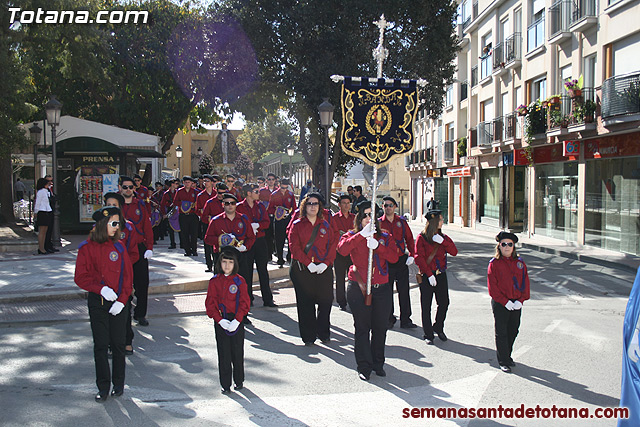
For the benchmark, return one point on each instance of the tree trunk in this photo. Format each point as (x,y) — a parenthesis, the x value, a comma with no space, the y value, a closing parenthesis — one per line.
(6,196)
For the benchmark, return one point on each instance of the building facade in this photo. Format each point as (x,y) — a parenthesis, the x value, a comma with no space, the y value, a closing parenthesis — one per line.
(540,132)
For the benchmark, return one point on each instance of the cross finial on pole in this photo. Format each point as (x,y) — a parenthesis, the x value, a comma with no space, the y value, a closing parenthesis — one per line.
(380,53)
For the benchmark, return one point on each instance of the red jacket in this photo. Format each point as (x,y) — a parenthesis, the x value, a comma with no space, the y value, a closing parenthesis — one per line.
(399,229)
(265,196)
(212,208)
(287,200)
(354,245)
(240,227)
(100,264)
(296,214)
(439,262)
(324,246)
(130,239)
(186,200)
(230,292)
(136,213)
(202,199)
(143,193)
(342,223)
(167,202)
(257,213)
(508,279)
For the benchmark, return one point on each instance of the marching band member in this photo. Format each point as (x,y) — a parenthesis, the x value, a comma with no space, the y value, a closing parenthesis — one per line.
(185,200)
(103,268)
(265,196)
(227,303)
(281,204)
(257,214)
(508,283)
(212,208)
(135,211)
(156,217)
(313,245)
(142,192)
(370,307)
(168,212)
(342,221)
(205,195)
(432,247)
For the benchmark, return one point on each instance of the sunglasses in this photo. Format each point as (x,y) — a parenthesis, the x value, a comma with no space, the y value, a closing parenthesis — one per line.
(229,203)
(256,191)
(505,244)
(386,205)
(114,224)
(206,180)
(313,203)
(128,187)
(368,214)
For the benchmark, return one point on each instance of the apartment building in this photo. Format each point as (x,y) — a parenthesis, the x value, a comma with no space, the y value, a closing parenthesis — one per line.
(565,165)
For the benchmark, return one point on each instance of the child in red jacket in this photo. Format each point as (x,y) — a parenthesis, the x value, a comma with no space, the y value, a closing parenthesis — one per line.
(227,303)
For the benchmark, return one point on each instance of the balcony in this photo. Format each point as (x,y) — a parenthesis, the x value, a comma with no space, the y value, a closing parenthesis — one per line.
(449,150)
(485,134)
(560,15)
(511,127)
(535,35)
(485,66)
(464,88)
(513,50)
(621,95)
(499,62)
(497,130)
(474,76)
(584,16)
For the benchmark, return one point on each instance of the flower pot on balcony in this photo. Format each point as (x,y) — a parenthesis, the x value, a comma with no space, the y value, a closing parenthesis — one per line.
(555,100)
(574,93)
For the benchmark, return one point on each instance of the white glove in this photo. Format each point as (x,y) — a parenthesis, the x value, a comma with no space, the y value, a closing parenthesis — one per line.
(437,238)
(148,254)
(108,293)
(367,231)
(224,324)
(509,305)
(517,305)
(255,227)
(372,243)
(432,280)
(116,308)
(233,325)
(321,268)
(242,248)
(634,347)
(410,260)
(313,268)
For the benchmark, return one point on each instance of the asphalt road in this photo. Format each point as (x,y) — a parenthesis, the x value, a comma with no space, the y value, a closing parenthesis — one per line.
(568,354)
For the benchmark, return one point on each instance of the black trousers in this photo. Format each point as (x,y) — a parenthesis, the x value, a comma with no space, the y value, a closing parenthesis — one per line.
(341,266)
(156,233)
(312,289)
(48,237)
(208,256)
(399,273)
(166,229)
(281,236)
(141,283)
(230,355)
(108,331)
(371,325)
(441,290)
(507,324)
(189,225)
(259,256)
(269,237)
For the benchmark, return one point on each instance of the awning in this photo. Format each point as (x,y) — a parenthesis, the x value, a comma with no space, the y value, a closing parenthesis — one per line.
(87,144)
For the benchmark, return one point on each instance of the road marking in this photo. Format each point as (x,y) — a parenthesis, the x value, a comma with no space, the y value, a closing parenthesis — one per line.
(580,281)
(552,326)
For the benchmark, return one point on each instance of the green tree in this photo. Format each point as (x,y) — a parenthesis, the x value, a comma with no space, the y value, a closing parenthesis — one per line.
(299,45)
(273,134)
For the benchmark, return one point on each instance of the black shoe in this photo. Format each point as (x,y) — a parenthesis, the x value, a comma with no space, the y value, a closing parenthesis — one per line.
(42,253)
(194,253)
(363,376)
(270,304)
(326,341)
(309,343)
(226,391)
(172,246)
(239,386)
(101,396)
(116,392)
(381,373)
(246,321)
(50,251)
(128,352)
(429,341)
(209,270)
(186,254)
(142,321)
(505,369)
(511,364)
(409,325)
(442,336)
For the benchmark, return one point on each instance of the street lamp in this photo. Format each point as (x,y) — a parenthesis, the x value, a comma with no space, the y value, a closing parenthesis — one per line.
(179,156)
(53,109)
(34,132)
(290,152)
(326,119)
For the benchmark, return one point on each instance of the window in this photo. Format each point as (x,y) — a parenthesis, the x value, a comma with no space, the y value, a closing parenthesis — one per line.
(486,66)
(589,67)
(625,55)
(539,89)
(450,132)
(563,75)
(449,96)
(535,33)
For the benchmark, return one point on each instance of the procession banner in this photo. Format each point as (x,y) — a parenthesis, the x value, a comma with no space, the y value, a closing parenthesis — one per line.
(377,118)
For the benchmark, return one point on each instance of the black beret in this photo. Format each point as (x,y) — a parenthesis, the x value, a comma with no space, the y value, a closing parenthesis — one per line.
(230,251)
(506,235)
(229,196)
(316,195)
(221,186)
(284,181)
(389,199)
(187,178)
(432,214)
(247,188)
(124,178)
(207,176)
(365,204)
(116,196)
(136,176)
(343,197)
(105,212)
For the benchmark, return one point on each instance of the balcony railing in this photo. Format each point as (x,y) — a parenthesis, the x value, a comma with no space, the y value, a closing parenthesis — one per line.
(485,66)
(511,126)
(448,150)
(621,95)
(535,34)
(583,9)
(583,107)
(474,75)
(513,48)
(560,15)
(497,129)
(485,133)
(464,88)
(498,56)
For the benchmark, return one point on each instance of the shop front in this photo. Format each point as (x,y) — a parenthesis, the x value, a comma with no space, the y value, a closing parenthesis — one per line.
(459,183)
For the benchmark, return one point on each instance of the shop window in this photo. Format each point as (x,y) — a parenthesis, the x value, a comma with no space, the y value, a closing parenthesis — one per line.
(556,200)
(490,193)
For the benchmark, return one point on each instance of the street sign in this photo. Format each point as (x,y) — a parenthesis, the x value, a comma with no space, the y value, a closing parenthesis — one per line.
(367,172)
